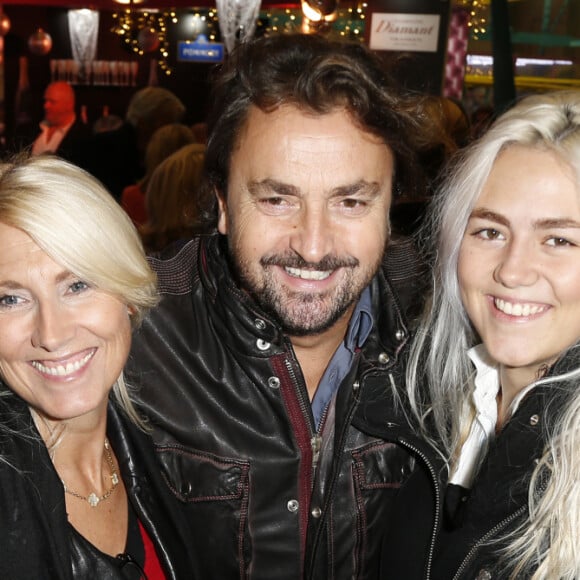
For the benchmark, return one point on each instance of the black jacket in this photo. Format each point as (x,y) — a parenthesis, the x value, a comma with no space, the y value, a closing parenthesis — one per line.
(440,533)
(73,144)
(113,157)
(267,496)
(35,537)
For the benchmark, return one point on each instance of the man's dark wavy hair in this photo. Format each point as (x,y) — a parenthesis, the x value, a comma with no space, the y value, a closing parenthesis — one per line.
(318,76)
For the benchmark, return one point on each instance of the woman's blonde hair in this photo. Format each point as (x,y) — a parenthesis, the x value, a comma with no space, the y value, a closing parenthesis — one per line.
(72,218)
(546,545)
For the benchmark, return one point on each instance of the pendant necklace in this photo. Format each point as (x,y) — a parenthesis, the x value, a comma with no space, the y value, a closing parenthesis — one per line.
(93,499)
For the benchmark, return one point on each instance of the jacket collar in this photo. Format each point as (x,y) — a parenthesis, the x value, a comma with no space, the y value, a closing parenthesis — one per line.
(240,311)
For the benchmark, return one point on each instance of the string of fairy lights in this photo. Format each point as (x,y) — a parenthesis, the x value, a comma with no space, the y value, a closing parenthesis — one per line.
(147,31)
(144,32)
(478,16)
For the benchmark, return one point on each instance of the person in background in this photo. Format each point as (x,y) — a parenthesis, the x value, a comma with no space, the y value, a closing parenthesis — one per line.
(200,132)
(107,122)
(165,141)
(271,330)
(481,119)
(117,158)
(61,132)
(494,373)
(449,132)
(81,495)
(174,202)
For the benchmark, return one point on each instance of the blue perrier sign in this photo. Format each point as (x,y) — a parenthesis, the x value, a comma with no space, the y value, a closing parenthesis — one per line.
(200,50)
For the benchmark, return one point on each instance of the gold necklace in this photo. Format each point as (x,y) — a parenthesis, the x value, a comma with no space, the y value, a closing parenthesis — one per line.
(93,499)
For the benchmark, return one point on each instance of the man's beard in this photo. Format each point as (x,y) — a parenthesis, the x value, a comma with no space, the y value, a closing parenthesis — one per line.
(305,313)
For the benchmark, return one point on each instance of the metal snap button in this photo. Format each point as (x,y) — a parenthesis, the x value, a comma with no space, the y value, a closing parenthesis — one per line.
(293,505)
(262,344)
(274,382)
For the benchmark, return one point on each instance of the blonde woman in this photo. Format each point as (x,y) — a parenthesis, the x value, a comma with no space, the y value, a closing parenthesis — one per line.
(494,372)
(81,495)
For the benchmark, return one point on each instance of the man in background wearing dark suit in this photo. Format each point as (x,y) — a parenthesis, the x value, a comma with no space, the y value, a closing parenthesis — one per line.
(62,132)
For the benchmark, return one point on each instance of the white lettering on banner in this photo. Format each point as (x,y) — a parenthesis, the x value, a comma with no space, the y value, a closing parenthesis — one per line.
(404,32)
(200,52)
(389,27)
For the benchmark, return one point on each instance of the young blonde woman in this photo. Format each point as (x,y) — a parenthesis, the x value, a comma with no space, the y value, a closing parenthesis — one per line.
(494,372)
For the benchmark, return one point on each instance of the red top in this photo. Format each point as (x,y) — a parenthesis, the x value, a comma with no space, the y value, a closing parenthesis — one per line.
(153,569)
(133,202)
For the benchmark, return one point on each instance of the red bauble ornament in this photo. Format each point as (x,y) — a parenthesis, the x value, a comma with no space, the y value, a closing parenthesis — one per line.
(40,42)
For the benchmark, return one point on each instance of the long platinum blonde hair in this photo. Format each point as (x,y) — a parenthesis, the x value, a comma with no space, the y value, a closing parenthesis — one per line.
(70,215)
(440,375)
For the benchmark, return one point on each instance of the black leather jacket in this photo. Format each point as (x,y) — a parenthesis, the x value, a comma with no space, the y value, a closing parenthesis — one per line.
(35,537)
(434,534)
(266,495)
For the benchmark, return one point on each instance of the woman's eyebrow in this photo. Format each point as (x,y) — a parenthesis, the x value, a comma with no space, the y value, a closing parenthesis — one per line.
(540,224)
(556,223)
(488,214)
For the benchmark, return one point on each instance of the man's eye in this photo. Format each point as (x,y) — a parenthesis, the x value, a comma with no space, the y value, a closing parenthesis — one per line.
(276,201)
(353,203)
(276,205)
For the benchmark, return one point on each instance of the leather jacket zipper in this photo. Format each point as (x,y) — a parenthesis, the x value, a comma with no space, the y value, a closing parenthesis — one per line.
(315,439)
(437,505)
(316,443)
(304,404)
(490,533)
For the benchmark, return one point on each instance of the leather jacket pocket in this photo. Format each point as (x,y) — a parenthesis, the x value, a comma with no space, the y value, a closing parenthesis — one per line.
(214,492)
(382,465)
(379,471)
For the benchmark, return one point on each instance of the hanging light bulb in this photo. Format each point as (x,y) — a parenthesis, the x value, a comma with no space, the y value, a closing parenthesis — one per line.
(4,23)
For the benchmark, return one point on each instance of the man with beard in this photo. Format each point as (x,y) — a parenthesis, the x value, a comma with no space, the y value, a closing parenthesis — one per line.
(270,331)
